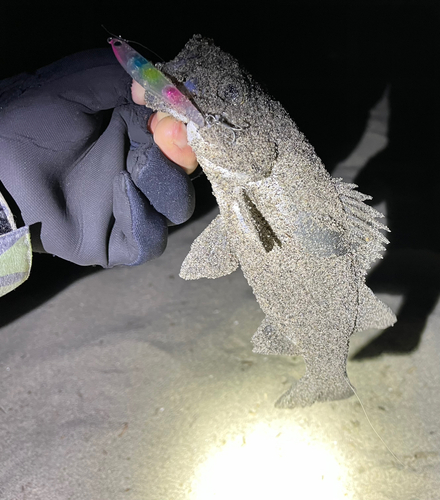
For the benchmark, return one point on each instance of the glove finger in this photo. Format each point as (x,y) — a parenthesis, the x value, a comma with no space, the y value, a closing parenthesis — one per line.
(136,118)
(165,184)
(139,233)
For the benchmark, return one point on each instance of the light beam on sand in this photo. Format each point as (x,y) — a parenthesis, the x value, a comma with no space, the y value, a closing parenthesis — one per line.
(266,463)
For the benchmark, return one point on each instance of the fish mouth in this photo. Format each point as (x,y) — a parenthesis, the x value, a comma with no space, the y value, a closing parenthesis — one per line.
(202,118)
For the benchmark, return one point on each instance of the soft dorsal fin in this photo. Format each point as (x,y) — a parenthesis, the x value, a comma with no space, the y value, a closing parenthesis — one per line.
(211,255)
(364,230)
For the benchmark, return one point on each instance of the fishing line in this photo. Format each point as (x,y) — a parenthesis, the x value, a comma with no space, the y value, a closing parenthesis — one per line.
(371,425)
(133,41)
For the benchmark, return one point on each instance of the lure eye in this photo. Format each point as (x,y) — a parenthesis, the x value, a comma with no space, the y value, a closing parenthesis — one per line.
(191,85)
(113,41)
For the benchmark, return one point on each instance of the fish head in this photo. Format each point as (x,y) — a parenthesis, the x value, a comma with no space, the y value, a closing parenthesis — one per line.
(236,137)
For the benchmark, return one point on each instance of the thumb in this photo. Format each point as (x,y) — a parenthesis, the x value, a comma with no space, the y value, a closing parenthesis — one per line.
(169,134)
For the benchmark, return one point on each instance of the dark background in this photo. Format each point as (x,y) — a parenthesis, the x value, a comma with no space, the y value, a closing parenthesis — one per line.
(328,63)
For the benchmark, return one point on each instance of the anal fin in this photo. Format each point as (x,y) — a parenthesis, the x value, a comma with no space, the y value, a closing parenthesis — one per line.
(372,313)
(211,255)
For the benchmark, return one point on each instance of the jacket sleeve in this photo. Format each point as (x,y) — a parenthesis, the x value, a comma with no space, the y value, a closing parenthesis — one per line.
(15,251)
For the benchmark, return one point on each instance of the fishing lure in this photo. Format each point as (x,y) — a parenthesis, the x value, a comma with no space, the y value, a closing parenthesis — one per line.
(162,93)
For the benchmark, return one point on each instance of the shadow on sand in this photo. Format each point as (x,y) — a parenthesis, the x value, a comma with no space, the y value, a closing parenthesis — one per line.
(406,176)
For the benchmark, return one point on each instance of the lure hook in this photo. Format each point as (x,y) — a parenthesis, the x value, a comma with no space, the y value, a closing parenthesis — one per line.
(223,121)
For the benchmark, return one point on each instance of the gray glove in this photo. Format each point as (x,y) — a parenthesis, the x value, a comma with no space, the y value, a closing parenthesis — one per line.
(76,158)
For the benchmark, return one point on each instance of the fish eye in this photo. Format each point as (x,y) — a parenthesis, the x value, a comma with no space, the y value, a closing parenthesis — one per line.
(231,92)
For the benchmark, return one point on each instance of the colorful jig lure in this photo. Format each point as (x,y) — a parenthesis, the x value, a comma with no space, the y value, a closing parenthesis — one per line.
(162,92)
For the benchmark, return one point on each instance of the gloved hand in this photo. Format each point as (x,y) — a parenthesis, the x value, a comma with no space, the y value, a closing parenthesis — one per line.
(86,175)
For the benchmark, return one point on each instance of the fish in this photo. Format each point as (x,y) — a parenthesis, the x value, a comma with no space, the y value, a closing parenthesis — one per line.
(303,239)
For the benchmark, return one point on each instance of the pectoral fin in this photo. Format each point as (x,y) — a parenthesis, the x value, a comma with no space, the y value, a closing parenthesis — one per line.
(211,255)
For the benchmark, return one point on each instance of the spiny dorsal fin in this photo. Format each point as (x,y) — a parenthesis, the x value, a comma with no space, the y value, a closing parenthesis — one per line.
(364,231)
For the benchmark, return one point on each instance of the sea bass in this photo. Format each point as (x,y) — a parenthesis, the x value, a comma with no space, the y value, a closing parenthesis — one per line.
(303,239)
